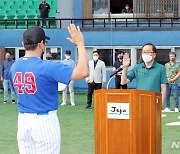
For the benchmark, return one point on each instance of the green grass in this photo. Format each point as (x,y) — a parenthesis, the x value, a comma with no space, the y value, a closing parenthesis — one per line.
(77,128)
(170,133)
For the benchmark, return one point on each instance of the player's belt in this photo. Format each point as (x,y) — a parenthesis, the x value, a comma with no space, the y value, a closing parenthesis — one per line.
(40,113)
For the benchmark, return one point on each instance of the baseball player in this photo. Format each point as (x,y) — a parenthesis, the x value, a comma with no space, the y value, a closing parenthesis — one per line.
(35,82)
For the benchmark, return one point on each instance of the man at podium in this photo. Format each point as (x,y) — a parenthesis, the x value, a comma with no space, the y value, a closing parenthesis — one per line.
(149,75)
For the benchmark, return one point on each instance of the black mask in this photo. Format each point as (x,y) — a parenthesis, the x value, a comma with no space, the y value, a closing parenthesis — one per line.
(121,57)
(48,58)
(172,59)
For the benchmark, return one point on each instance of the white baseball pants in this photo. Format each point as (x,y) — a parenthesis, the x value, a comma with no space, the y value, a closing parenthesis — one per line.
(71,92)
(39,134)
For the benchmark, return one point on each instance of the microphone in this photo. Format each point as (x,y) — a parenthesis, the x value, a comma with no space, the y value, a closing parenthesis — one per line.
(119,69)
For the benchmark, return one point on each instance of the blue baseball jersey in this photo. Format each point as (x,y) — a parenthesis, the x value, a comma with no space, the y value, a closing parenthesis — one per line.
(35,82)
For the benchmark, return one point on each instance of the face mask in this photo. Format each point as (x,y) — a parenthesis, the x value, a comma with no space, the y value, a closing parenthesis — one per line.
(172,59)
(48,58)
(146,58)
(95,58)
(67,57)
(120,57)
(8,58)
(127,7)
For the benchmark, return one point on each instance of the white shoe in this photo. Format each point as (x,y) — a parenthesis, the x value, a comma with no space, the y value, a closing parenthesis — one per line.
(63,104)
(163,115)
(166,110)
(176,110)
(73,104)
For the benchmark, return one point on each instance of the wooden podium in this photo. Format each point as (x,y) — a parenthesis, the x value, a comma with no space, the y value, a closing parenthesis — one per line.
(127,122)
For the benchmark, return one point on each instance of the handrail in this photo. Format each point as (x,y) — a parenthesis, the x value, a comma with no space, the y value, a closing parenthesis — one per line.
(96,22)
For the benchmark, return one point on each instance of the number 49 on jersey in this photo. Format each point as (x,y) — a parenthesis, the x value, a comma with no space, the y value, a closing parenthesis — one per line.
(27,85)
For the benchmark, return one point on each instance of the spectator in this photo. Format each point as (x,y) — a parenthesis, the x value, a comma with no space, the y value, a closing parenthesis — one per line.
(149,75)
(127,9)
(48,55)
(6,65)
(97,76)
(173,73)
(44,9)
(116,65)
(70,62)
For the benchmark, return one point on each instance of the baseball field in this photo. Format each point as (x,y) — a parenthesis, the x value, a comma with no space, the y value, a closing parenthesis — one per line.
(77,128)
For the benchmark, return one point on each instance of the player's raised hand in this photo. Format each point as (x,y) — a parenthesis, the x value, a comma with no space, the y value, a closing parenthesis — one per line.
(76,35)
(126,60)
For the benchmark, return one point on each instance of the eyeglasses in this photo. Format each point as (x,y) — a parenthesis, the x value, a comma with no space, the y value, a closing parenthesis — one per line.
(147,52)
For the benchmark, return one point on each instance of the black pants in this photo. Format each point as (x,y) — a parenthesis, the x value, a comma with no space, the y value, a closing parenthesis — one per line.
(91,87)
(43,22)
(118,84)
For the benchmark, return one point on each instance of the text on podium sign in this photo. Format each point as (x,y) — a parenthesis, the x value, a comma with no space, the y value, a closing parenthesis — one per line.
(118,110)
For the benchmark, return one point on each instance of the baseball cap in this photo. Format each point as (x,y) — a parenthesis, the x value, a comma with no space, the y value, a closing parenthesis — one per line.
(34,35)
(68,52)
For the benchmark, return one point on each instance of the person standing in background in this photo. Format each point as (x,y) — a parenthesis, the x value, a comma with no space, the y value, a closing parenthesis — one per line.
(117,64)
(68,61)
(97,76)
(48,55)
(44,9)
(5,68)
(173,73)
(127,9)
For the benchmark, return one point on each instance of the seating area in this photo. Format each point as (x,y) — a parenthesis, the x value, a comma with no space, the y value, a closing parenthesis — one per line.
(23,10)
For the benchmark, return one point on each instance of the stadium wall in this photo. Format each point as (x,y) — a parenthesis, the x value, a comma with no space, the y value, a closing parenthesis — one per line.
(13,38)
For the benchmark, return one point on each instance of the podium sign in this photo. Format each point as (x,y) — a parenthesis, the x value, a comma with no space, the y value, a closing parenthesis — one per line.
(118,110)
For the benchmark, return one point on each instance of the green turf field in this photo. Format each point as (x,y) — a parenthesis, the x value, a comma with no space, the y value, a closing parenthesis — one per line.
(77,128)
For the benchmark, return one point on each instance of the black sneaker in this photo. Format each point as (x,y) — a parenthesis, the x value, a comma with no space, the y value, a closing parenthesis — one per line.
(88,106)
(5,102)
(13,101)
